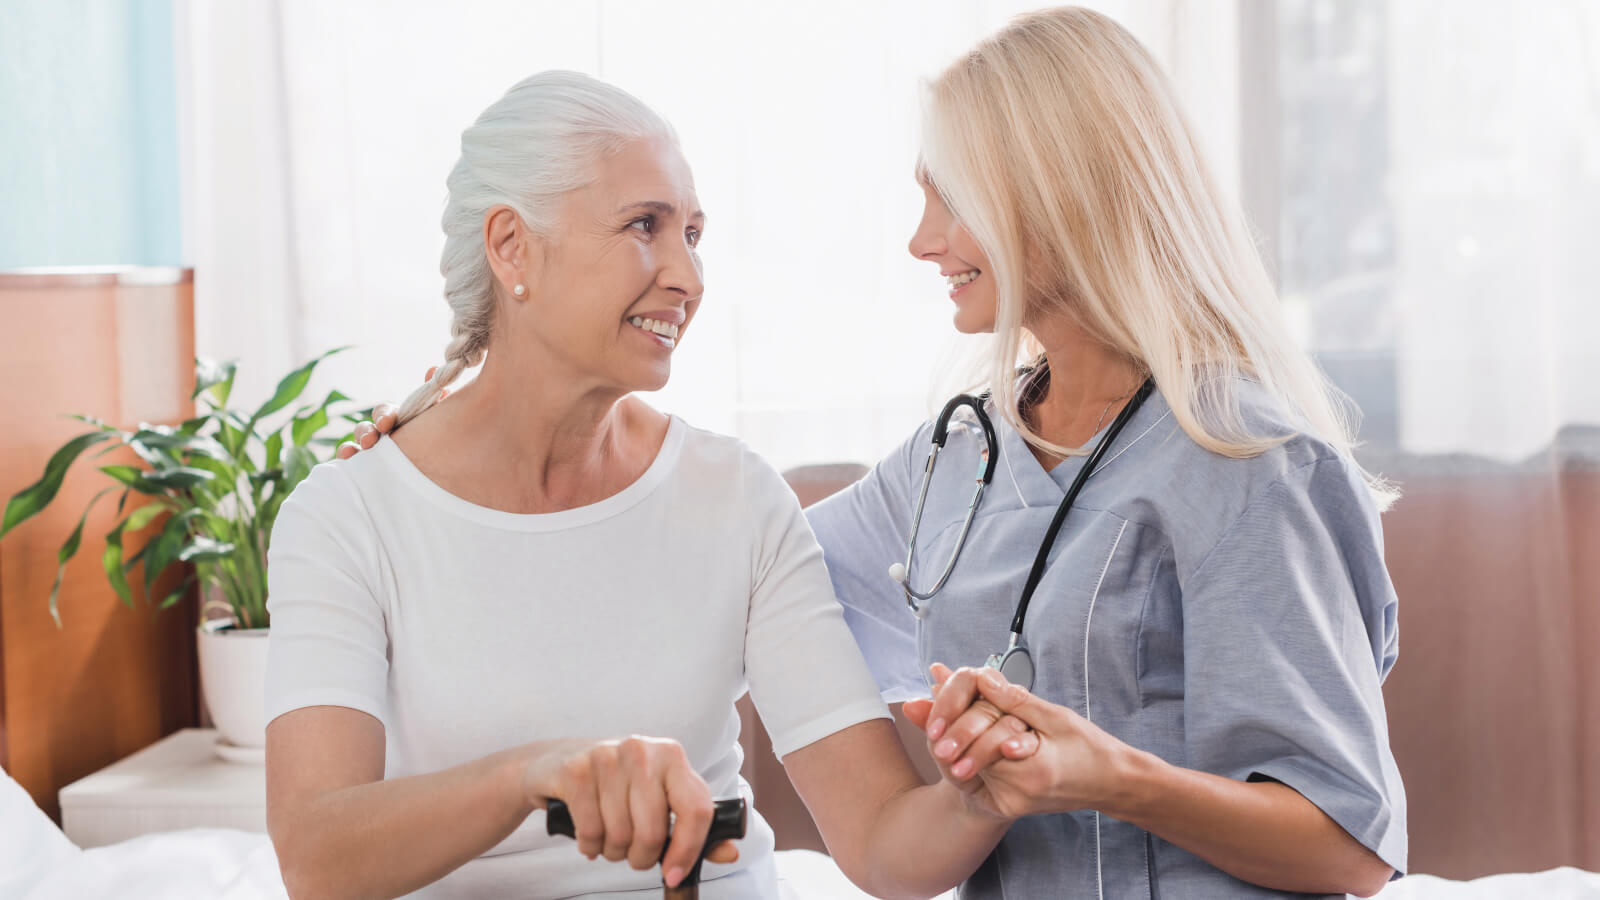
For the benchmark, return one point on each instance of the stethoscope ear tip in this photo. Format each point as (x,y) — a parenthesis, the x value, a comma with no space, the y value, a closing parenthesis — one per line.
(898,573)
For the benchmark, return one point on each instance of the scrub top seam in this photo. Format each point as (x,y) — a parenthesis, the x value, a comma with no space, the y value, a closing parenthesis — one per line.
(1088,618)
(1129,446)
(1144,613)
(1261,495)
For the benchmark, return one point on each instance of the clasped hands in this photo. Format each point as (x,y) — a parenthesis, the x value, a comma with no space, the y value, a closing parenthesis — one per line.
(1011,753)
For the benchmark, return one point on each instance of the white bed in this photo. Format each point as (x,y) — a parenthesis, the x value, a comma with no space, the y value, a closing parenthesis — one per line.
(38,862)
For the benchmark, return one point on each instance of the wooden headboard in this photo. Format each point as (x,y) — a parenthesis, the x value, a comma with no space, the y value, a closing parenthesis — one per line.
(117,343)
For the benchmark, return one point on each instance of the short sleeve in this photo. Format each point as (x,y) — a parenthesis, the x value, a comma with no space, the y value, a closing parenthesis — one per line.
(1289,631)
(329,643)
(862,530)
(806,676)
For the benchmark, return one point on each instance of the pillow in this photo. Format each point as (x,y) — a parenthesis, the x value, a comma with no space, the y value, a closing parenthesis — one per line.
(33,846)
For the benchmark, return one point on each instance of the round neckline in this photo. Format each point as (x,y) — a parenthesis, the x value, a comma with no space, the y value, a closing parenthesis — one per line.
(402,468)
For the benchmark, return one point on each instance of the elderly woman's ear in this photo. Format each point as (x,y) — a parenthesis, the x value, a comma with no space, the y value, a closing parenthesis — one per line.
(511,249)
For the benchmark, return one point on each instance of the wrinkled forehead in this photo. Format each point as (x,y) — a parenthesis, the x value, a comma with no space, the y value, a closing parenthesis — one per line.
(653,171)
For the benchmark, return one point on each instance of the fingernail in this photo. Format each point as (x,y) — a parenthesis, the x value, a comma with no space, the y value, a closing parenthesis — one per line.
(674,875)
(935,729)
(993,679)
(962,769)
(945,749)
(1013,744)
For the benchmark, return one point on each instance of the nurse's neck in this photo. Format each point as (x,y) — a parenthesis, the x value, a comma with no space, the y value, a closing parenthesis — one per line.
(1089,384)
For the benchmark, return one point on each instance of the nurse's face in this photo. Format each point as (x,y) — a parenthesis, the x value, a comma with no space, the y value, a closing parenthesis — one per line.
(945,242)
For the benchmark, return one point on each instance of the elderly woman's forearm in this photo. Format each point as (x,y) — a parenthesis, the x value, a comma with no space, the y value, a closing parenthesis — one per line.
(387,838)
(926,841)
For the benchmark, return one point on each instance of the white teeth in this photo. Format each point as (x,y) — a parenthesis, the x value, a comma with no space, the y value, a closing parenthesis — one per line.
(665,329)
(962,278)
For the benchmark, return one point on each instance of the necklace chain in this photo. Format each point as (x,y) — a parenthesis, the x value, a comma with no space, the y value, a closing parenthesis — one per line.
(1107,411)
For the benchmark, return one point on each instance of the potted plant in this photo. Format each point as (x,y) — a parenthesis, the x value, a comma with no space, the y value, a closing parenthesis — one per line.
(219,479)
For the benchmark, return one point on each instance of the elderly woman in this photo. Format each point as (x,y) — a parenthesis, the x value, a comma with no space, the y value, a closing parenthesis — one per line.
(473,619)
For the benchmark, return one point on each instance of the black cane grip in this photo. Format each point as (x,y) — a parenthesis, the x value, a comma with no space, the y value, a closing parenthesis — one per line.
(558,819)
(729,820)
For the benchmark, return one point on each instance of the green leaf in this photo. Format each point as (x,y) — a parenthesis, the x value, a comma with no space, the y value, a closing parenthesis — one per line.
(133,477)
(231,438)
(35,497)
(144,515)
(290,387)
(213,379)
(154,457)
(96,422)
(202,548)
(141,519)
(156,484)
(193,426)
(162,550)
(274,449)
(177,594)
(181,478)
(178,442)
(111,561)
(304,428)
(69,550)
(297,465)
(221,471)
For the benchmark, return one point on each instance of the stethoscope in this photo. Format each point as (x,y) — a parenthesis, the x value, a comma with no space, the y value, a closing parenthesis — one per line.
(1015,663)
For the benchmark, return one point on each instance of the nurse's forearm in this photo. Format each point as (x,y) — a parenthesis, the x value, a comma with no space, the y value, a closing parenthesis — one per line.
(1262,832)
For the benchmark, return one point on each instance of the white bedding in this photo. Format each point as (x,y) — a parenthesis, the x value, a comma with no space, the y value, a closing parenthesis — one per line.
(37,862)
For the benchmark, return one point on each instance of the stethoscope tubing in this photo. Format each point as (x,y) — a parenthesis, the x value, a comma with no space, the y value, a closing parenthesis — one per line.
(941,431)
(1016,660)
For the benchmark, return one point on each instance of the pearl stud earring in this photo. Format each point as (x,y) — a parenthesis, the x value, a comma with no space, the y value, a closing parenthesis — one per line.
(519,290)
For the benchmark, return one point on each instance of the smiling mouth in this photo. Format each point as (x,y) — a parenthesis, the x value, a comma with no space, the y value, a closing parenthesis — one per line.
(962,279)
(665,332)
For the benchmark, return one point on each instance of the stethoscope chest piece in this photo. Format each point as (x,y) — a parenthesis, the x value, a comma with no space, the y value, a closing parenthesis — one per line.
(1015,665)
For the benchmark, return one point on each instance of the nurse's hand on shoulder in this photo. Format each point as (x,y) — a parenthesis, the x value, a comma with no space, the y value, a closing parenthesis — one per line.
(620,792)
(367,433)
(1062,762)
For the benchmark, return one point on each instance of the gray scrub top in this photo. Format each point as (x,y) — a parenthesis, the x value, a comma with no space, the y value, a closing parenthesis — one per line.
(1232,616)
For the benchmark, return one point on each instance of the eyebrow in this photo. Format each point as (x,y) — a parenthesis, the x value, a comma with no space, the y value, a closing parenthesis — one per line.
(660,207)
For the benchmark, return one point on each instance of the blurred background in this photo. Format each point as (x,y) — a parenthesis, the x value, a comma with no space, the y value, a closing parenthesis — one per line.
(1424,177)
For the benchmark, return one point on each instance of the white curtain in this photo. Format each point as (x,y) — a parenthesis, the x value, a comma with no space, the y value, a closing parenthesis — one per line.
(320,135)
(1496,174)
(1437,176)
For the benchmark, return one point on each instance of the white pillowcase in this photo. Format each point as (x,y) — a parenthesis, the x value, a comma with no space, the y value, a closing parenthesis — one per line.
(33,846)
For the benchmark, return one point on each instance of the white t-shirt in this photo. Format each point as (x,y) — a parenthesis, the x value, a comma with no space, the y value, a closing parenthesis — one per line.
(468,630)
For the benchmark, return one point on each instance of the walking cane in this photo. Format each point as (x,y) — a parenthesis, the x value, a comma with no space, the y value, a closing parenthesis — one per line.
(728,822)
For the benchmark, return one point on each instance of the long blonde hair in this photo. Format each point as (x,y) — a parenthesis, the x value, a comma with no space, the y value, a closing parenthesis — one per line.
(1058,143)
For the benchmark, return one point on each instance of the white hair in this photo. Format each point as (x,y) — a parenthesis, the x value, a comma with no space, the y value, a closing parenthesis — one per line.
(527,150)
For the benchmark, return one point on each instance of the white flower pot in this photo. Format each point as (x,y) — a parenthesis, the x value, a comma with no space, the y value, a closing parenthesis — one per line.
(233,678)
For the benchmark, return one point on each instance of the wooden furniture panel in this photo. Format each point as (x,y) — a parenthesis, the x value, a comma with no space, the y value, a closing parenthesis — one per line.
(118,344)
(1494,715)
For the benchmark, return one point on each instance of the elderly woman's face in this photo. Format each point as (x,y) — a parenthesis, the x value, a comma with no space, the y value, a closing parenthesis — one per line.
(619,283)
